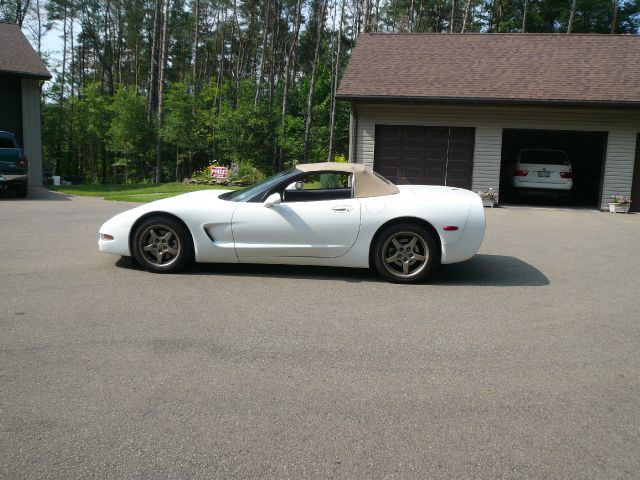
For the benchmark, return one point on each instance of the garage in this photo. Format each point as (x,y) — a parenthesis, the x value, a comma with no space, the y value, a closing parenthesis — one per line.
(584,151)
(420,155)
(456,110)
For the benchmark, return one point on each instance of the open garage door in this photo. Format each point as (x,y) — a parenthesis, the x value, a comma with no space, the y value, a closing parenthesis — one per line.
(425,155)
(564,169)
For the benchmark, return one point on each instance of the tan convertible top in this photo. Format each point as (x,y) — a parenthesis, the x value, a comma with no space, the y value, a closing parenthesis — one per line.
(366,183)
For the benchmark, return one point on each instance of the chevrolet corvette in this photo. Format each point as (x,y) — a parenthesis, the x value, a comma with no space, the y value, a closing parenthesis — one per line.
(333,214)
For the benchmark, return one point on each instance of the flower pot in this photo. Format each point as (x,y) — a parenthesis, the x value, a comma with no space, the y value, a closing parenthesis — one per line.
(488,202)
(619,207)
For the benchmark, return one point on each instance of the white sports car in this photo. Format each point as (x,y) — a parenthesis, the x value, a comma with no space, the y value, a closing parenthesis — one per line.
(333,214)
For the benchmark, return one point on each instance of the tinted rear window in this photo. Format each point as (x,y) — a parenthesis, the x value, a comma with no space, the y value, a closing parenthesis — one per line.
(543,157)
(6,142)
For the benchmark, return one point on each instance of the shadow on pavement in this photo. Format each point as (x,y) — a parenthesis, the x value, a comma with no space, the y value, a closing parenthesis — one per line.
(35,193)
(481,270)
(490,270)
(354,275)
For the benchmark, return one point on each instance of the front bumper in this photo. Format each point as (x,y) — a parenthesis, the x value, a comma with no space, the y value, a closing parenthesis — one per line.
(120,243)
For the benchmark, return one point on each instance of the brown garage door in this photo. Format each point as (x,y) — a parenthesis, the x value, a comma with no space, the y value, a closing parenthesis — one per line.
(425,155)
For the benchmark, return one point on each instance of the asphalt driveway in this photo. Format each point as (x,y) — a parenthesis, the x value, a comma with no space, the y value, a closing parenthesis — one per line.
(521,363)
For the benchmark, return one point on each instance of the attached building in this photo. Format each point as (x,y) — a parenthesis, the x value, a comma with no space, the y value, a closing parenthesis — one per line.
(21,75)
(455,109)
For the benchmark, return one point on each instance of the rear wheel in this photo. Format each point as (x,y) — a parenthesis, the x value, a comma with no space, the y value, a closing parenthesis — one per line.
(162,245)
(405,253)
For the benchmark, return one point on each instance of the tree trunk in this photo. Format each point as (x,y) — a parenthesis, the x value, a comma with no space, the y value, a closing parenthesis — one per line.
(572,14)
(312,84)
(64,55)
(153,63)
(614,18)
(366,18)
(453,16)
(21,11)
(465,20)
(161,82)
(103,149)
(275,33)
(260,72)
(107,57)
(39,27)
(524,16)
(194,71)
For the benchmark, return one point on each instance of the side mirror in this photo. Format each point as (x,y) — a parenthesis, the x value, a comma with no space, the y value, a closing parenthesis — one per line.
(273,199)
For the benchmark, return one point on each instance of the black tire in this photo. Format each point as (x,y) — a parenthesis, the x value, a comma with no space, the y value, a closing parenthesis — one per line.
(405,253)
(156,239)
(22,191)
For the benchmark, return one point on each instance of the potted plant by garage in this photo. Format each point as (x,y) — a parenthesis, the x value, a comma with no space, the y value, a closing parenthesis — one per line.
(489,197)
(619,204)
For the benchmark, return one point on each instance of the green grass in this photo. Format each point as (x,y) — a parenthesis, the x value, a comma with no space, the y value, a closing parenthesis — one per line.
(135,192)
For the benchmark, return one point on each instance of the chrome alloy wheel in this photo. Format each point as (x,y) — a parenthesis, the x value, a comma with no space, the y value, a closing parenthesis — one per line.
(405,254)
(159,245)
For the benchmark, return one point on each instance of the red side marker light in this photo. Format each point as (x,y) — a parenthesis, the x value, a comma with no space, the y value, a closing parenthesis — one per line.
(450,228)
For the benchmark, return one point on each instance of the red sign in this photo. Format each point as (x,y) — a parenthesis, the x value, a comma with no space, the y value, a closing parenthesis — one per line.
(219,172)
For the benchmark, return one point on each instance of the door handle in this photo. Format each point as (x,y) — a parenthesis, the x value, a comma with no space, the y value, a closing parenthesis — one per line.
(342,208)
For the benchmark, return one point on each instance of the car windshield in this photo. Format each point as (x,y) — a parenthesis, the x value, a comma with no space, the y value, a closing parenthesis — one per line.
(254,190)
(543,157)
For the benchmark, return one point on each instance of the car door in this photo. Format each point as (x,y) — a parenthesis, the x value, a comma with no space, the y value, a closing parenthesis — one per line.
(322,228)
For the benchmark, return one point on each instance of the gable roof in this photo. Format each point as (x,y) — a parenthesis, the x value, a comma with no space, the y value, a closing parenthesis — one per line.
(495,68)
(17,56)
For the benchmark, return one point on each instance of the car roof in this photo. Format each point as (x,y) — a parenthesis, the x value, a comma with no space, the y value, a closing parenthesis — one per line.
(366,183)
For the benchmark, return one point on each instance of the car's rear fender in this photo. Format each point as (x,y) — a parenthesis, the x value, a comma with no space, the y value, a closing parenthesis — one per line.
(412,220)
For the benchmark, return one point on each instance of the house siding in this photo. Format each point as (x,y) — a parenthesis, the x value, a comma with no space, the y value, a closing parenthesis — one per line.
(32,141)
(622,127)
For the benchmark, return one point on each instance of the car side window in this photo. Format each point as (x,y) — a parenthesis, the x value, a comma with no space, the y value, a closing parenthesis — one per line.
(319,186)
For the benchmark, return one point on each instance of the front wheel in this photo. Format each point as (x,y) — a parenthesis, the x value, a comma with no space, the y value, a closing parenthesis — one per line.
(405,253)
(162,245)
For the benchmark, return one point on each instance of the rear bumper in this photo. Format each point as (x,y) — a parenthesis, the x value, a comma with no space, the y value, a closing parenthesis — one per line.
(470,239)
(543,186)
(9,181)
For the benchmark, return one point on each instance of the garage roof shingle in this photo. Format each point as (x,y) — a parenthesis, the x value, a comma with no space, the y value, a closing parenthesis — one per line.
(17,56)
(495,68)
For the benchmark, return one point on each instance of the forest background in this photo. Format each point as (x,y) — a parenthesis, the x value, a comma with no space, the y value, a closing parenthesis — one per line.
(153,90)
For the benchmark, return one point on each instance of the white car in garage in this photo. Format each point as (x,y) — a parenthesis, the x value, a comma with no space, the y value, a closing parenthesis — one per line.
(543,169)
(332,214)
